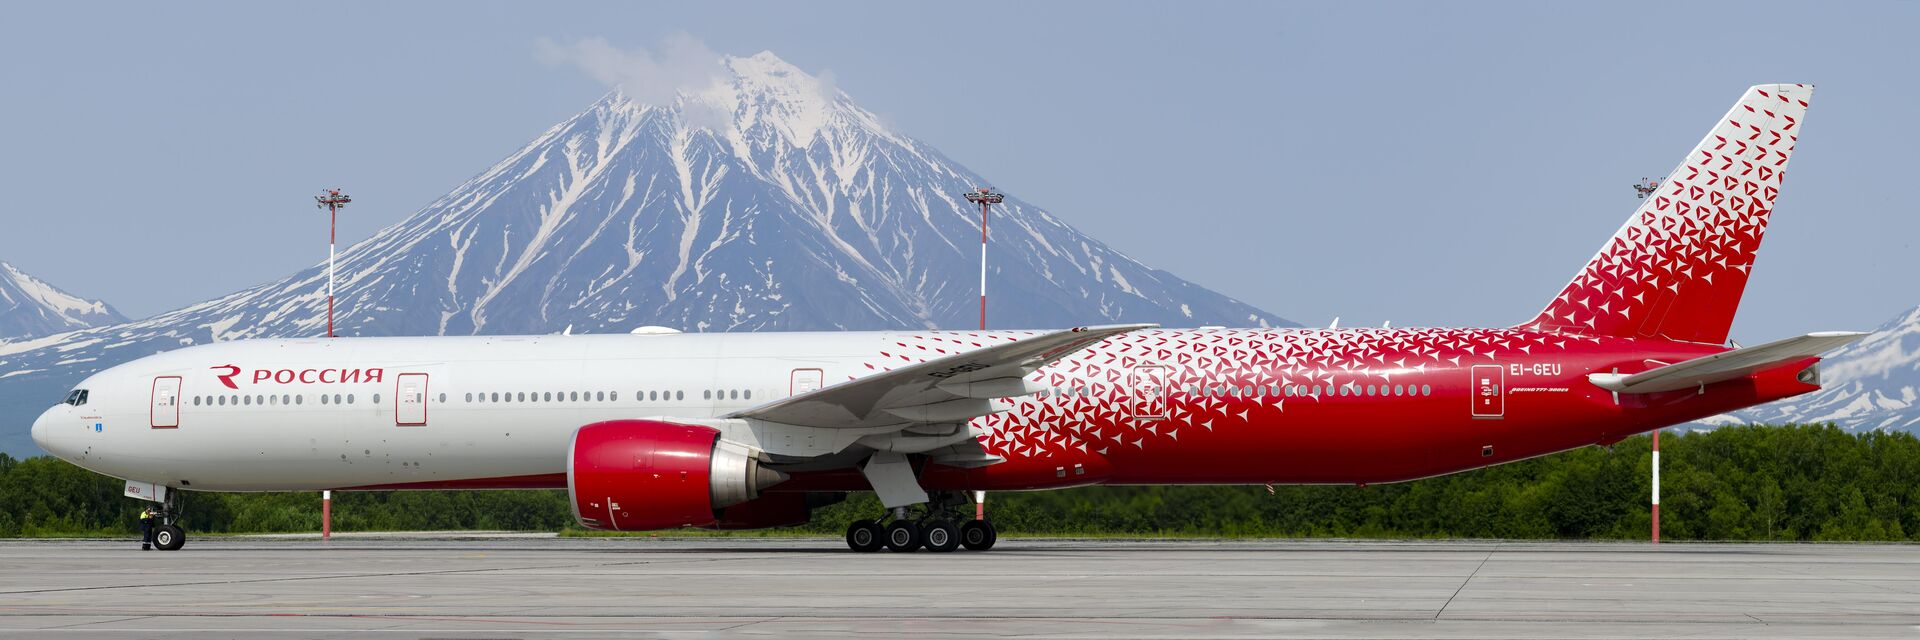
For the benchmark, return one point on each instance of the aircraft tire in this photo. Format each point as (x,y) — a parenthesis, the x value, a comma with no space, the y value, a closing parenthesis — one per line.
(978,535)
(941,536)
(904,536)
(864,536)
(169,537)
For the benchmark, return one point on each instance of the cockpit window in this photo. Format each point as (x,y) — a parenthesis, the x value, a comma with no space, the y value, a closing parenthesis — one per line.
(77,398)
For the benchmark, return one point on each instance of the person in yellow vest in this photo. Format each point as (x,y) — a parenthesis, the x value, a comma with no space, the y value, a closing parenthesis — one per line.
(147,518)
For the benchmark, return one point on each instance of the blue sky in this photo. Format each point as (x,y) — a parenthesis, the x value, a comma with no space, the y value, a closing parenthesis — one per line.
(1428,164)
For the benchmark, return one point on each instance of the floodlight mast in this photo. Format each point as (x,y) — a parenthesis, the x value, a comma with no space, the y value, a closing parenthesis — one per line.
(332,200)
(986,198)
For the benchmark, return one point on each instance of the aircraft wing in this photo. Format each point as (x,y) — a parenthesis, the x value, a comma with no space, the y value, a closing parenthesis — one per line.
(1727,365)
(955,388)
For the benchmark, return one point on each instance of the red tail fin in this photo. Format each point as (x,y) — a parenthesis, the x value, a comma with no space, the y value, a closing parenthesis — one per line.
(1677,268)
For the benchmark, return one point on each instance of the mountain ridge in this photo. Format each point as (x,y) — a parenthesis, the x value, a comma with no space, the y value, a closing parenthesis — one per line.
(31,307)
(766,201)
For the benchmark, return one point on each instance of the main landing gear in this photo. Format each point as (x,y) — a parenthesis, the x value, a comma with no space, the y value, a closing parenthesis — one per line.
(934,528)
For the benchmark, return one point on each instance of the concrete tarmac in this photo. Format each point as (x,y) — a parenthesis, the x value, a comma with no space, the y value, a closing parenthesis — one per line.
(518,587)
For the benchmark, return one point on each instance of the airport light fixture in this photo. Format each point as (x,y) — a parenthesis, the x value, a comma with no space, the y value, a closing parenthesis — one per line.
(331,200)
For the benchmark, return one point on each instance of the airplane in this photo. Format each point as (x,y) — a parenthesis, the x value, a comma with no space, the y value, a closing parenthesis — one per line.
(660,429)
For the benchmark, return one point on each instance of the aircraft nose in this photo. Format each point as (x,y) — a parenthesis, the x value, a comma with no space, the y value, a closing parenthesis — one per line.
(40,431)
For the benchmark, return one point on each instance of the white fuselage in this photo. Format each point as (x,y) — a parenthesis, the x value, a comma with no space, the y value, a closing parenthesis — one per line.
(313,414)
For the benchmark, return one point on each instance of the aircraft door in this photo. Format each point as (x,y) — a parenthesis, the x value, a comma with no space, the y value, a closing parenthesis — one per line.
(1489,391)
(410,400)
(165,410)
(805,380)
(1149,394)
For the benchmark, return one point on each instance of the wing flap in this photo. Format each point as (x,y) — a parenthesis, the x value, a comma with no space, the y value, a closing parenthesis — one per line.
(1724,366)
(955,388)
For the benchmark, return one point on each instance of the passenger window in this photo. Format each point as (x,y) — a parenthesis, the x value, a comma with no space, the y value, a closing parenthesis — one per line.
(323,398)
(286,399)
(679,395)
(349,398)
(376,399)
(1426,389)
(336,398)
(748,394)
(300,399)
(653,395)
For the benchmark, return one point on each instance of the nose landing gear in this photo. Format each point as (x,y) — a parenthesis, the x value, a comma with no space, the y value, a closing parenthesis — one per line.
(166,534)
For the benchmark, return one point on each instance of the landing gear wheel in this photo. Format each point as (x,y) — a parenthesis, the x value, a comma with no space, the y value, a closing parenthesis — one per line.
(942,536)
(169,537)
(864,536)
(903,536)
(978,535)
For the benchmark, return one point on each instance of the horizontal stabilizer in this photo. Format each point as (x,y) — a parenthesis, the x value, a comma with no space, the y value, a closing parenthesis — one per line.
(1728,365)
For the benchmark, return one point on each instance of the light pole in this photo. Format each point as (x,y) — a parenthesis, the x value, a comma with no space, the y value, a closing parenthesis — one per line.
(332,200)
(986,198)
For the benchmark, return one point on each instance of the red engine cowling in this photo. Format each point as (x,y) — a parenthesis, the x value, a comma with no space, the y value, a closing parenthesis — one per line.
(635,475)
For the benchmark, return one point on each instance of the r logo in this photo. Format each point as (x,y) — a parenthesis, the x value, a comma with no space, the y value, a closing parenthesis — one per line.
(227,378)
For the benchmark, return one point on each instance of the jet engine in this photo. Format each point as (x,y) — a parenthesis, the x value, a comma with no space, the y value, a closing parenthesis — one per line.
(635,475)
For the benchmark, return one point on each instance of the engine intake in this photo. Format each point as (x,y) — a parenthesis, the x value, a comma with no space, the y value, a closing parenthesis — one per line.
(635,475)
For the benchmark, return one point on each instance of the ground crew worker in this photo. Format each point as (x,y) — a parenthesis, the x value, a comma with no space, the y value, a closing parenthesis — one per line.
(147,516)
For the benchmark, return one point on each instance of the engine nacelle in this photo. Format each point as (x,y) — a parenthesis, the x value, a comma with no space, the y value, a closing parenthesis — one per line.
(635,475)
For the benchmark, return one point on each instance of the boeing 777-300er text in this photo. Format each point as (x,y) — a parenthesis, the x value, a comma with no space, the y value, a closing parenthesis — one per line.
(661,429)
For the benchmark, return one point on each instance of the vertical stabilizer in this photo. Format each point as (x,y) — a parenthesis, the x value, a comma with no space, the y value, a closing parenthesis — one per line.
(1677,268)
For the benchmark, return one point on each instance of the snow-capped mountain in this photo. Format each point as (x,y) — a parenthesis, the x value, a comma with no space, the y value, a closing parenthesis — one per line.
(1870,384)
(767,201)
(29,307)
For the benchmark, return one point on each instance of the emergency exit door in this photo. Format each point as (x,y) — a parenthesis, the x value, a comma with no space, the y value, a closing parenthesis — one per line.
(165,411)
(806,380)
(410,406)
(1149,394)
(1489,391)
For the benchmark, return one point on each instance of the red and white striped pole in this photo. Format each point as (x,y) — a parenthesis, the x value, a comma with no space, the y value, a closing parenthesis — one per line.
(985,198)
(1656,486)
(332,200)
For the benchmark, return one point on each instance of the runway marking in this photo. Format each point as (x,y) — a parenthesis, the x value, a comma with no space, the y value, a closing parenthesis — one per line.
(346,576)
(1463,583)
